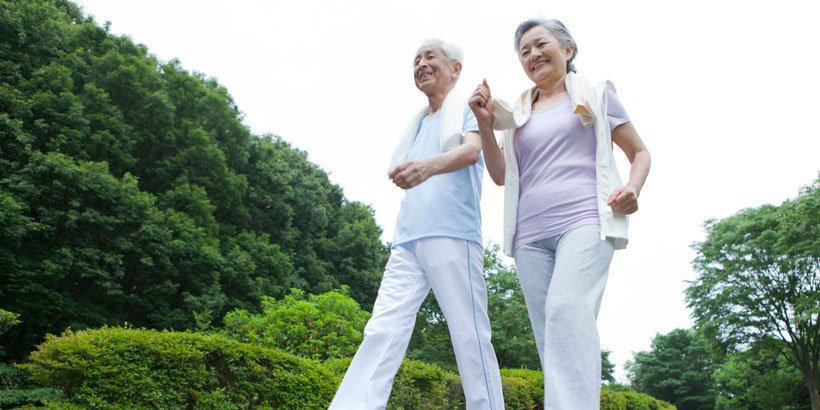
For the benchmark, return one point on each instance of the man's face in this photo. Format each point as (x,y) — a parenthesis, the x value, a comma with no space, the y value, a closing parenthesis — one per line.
(433,71)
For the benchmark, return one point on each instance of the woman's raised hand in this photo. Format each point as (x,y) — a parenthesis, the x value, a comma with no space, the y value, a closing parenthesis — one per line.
(481,102)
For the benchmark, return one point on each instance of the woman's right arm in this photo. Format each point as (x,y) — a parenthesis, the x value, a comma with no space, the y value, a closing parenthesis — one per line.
(481,102)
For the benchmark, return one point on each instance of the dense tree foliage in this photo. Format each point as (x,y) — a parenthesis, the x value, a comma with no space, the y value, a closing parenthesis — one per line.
(130,190)
(759,379)
(607,367)
(759,282)
(677,369)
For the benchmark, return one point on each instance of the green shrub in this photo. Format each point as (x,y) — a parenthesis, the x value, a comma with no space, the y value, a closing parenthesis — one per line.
(611,400)
(323,326)
(518,394)
(7,320)
(417,385)
(116,367)
(640,401)
(16,390)
(420,385)
(533,375)
(523,388)
(127,368)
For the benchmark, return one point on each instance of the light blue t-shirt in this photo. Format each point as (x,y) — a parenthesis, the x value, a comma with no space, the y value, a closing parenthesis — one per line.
(445,204)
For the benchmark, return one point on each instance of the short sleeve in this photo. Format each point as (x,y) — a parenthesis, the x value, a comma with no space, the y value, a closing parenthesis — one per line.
(615,111)
(470,122)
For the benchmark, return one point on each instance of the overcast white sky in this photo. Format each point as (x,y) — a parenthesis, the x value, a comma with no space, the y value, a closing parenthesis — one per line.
(723,93)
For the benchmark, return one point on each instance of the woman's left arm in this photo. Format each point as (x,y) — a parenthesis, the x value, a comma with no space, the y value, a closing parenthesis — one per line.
(624,200)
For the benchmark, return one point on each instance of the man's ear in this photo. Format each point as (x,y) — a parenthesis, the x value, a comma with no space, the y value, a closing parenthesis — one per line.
(457,69)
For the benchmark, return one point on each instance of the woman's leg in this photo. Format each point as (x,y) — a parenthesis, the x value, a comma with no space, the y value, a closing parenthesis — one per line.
(572,351)
(534,263)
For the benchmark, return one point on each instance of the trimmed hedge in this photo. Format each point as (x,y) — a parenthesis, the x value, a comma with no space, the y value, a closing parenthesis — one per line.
(116,367)
(138,368)
(523,388)
(417,385)
(612,400)
(639,401)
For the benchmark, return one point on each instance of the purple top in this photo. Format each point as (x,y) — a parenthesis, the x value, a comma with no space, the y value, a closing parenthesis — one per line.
(556,168)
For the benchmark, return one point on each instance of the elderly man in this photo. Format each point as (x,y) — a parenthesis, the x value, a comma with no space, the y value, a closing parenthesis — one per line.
(437,244)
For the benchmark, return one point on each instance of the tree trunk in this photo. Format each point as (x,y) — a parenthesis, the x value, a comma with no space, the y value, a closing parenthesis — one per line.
(814,394)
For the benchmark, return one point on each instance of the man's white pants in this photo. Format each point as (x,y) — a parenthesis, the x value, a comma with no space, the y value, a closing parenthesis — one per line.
(453,269)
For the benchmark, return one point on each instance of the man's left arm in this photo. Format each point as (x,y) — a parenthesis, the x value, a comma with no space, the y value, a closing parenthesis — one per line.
(414,172)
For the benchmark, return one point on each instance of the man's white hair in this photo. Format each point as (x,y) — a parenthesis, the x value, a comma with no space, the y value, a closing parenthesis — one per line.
(453,51)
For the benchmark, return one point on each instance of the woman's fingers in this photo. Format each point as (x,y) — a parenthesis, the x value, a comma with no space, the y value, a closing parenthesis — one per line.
(624,201)
(486,86)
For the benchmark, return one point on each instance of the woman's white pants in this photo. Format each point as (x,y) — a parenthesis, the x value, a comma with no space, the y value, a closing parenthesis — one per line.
(453,269)
(563,279)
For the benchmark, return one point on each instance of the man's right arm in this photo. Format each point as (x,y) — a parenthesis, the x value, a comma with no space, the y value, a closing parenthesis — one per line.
(414,172)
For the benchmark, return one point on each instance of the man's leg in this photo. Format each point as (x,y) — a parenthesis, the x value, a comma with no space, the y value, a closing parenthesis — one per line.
(369,379)
(454,268)
(572,351)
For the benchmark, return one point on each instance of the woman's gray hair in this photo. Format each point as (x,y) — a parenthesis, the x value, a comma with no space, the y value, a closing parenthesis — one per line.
(558,29)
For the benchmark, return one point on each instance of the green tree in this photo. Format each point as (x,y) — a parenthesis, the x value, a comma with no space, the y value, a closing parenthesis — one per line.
(607,367)
(130,190)
(97,250)
(677,369)
(759,379)
(759,282)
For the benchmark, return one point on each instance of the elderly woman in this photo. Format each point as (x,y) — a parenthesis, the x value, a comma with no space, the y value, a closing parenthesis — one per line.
(565,206)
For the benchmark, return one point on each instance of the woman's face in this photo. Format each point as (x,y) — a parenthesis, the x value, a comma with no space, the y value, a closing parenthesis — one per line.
(543,57)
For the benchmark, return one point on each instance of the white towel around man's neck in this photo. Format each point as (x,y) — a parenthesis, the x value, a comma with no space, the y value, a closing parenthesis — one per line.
(451,122)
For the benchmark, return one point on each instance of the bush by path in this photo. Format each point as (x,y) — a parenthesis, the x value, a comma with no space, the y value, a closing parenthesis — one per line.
(138,368)
(116,367)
